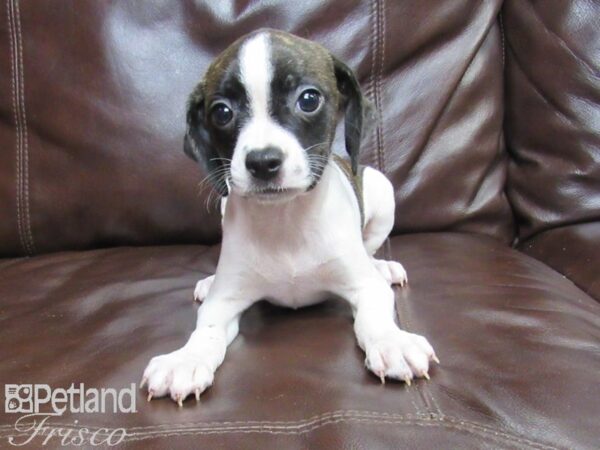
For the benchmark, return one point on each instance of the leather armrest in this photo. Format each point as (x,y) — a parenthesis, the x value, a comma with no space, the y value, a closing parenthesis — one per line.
(573,251)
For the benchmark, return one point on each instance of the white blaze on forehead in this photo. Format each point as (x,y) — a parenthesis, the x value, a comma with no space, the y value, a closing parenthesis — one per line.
(256,73)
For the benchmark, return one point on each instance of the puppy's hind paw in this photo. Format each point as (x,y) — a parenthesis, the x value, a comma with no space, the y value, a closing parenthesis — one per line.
(202,288)
(392,271)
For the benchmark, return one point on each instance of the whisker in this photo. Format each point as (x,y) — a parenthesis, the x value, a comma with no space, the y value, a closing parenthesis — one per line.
(214,178)
(213,174)
(314,145)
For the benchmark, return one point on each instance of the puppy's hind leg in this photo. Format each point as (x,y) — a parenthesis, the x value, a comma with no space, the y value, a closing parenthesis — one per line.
(379,204)
(202,288)
(392,271)
(203,285)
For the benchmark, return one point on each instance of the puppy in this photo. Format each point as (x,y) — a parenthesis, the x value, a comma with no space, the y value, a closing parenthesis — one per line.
(299,225)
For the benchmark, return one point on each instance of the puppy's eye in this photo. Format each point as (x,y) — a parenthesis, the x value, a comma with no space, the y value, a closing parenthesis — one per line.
(309,100)
(221,114)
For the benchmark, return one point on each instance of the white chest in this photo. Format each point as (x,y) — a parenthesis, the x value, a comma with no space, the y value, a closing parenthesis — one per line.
(292,254)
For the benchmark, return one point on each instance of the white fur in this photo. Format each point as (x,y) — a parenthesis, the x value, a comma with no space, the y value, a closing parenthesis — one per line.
(262,131)
(256,72)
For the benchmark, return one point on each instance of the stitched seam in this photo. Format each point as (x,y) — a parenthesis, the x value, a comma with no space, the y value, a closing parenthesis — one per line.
(426,391)
(25,171)
(266,430)
(294,424)
(415,422)
(387,250)
(503,150)
(17,81)
(328,418)
(381,54)
(281,423)
(376,422)
(501,22)
(375,75)
(11,30)
(371,86)
(423,390)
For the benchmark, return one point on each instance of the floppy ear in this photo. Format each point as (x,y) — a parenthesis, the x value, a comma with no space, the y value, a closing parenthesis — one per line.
(358,110)
(197,143)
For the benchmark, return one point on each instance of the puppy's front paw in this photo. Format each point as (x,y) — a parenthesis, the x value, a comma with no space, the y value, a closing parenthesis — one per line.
(177,374)
(400,355)
(392,271)
(202,288)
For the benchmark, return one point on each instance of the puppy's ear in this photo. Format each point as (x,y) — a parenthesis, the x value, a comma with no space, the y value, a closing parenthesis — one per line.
(359,112)
(197,143)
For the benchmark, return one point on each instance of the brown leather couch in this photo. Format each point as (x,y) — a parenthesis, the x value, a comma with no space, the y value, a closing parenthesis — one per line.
(490,133)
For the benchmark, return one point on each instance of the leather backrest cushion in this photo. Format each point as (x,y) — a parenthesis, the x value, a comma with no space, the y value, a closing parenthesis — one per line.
(92,117)
(553,119)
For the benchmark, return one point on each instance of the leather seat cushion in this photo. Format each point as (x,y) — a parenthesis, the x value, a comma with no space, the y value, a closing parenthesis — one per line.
(573,251)
(518,345)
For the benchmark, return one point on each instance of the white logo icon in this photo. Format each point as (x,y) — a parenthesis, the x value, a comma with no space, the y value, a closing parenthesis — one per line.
(18,398)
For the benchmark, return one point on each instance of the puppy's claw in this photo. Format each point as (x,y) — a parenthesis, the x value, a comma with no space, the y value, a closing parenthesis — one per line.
(197,392)
(426,376)
(407,381)
(150,395)
(435,358)
(143,382)
(382,377)
(179,401)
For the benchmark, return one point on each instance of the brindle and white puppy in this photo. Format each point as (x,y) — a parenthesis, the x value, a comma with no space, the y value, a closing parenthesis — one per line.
(262,123)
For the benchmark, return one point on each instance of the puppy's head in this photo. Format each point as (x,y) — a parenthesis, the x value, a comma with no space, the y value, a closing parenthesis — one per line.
(263,118)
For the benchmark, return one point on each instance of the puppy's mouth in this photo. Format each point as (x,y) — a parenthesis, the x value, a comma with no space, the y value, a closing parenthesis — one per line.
(273,194)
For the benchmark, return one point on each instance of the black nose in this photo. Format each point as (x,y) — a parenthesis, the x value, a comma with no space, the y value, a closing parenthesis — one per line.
(264,164)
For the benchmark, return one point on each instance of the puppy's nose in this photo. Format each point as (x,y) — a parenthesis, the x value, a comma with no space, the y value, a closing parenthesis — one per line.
(264,164)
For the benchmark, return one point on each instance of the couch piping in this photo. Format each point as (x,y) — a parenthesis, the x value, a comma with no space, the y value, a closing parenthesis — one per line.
(20,118)
(375,84)
(501,23)
(381,54)
(17,123)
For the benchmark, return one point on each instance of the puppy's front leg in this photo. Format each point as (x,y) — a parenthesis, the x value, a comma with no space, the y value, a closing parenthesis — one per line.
(191,368)
(390,351)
